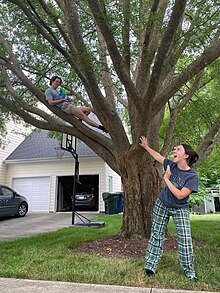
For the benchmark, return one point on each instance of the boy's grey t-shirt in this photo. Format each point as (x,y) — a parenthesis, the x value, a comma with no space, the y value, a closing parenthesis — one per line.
(54,94)
(180,179)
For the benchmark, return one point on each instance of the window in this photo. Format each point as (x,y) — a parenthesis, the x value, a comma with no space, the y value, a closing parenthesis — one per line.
(6,192)
(110,183)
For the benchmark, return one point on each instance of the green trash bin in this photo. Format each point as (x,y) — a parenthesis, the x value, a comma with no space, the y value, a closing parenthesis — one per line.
(111,202)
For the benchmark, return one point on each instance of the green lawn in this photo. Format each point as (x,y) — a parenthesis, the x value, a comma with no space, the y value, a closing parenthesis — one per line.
(49,257)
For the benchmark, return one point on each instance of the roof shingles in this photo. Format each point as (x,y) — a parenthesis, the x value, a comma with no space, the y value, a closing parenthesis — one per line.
(38,145)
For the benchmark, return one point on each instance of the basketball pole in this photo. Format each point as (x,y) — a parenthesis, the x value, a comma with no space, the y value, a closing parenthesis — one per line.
(67,145)
(75,155)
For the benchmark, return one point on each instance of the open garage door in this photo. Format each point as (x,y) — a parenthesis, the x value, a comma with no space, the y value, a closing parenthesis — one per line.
(89,183)
(36,190)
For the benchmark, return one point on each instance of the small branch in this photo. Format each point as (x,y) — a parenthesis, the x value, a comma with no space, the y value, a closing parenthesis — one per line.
(126,6)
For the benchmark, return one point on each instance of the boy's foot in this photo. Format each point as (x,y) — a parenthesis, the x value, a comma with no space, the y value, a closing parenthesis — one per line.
(103,128)
(149,272)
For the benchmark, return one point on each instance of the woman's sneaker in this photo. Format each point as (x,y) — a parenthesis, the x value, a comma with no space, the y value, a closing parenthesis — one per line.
(149,272)
(193,278)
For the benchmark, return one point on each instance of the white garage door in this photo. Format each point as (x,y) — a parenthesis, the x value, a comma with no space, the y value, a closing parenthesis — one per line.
(36,190)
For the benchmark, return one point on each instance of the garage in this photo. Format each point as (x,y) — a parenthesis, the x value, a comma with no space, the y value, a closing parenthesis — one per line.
(87,183)
(36,190)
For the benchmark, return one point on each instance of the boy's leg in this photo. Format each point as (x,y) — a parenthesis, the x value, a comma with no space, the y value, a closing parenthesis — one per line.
(85,110)
(155,243)
(81,113)
(185,247)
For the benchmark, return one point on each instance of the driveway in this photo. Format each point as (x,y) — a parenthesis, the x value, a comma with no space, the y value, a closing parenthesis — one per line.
(36,223)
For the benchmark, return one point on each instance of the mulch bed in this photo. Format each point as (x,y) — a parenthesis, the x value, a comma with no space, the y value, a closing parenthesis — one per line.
(119,247)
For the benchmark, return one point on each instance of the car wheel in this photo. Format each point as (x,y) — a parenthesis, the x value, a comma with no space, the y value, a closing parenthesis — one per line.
(22,210)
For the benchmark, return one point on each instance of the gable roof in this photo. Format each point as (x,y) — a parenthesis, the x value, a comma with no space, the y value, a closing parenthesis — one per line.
(38,145)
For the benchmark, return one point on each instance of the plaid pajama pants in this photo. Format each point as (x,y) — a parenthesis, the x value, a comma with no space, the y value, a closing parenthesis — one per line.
(160,220)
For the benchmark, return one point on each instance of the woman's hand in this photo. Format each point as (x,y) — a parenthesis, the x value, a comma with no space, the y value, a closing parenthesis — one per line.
(143,142)
(178,193)
(167,173)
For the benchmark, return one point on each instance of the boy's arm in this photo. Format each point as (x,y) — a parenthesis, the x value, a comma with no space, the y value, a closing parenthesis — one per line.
(55,102)
(158,157)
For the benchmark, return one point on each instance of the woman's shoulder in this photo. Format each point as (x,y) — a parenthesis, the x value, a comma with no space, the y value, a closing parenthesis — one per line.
(169,162)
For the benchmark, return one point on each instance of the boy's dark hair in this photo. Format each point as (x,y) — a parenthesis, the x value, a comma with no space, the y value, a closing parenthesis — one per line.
(193,156)
(55,77)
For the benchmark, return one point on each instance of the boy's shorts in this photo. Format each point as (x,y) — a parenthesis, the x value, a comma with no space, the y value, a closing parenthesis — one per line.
(69,109)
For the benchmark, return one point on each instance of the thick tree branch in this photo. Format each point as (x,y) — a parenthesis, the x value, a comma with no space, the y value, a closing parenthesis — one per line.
(180,45)
(166,43)
(105,72)
(100,149)
(150,43)
(117,59)
(210,141)
(100,104)
(68,118)
(126,32)
(71,58)
(40,28)
(206,58)
(167,145)
(23,110)
(55,18)
(92,135)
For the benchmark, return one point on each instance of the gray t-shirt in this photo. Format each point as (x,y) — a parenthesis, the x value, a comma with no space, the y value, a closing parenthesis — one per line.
(180,179)
(54,94)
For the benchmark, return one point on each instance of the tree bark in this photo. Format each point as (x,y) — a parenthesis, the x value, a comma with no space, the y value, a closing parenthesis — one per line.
(141,179)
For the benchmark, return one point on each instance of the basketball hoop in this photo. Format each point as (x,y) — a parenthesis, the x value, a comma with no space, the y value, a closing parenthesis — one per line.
(59,152)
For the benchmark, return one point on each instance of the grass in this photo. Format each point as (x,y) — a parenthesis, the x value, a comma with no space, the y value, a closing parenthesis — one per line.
(49,256)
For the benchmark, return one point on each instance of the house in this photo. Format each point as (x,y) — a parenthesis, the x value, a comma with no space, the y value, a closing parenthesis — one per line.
(34,170)
(16,133)
(211,204)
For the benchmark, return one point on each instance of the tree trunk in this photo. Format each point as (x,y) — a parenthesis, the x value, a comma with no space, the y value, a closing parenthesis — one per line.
(141,183)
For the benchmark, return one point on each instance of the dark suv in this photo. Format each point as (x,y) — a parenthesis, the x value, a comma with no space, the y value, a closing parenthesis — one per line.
(12,203)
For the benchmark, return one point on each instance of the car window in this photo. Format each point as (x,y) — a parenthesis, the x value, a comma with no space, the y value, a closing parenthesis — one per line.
(6,192)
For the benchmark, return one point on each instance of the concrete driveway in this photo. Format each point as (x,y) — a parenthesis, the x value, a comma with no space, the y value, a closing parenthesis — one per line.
(36,223)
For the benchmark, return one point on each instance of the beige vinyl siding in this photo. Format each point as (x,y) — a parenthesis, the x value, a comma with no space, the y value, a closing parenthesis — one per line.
(45,168)
(116,182)
(15,135)
(55,168)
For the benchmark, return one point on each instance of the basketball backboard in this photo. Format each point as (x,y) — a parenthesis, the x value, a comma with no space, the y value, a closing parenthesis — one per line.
(68,142)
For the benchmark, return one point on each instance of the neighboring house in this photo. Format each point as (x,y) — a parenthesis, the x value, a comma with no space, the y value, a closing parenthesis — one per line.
(15,135)
(210,204)
(34,170)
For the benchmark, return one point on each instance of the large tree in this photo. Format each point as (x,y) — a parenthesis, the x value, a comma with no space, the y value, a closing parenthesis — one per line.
(126,59)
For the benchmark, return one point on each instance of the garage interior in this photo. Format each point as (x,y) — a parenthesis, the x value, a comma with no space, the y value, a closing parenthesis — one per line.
(88,183)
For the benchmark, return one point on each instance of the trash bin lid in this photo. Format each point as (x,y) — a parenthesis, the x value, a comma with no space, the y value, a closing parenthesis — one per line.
(106,195)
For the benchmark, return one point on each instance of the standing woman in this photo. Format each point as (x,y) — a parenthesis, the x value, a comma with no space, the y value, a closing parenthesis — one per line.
(181,181)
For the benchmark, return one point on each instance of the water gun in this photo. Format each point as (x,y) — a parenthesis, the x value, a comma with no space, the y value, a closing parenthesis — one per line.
(64,93)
